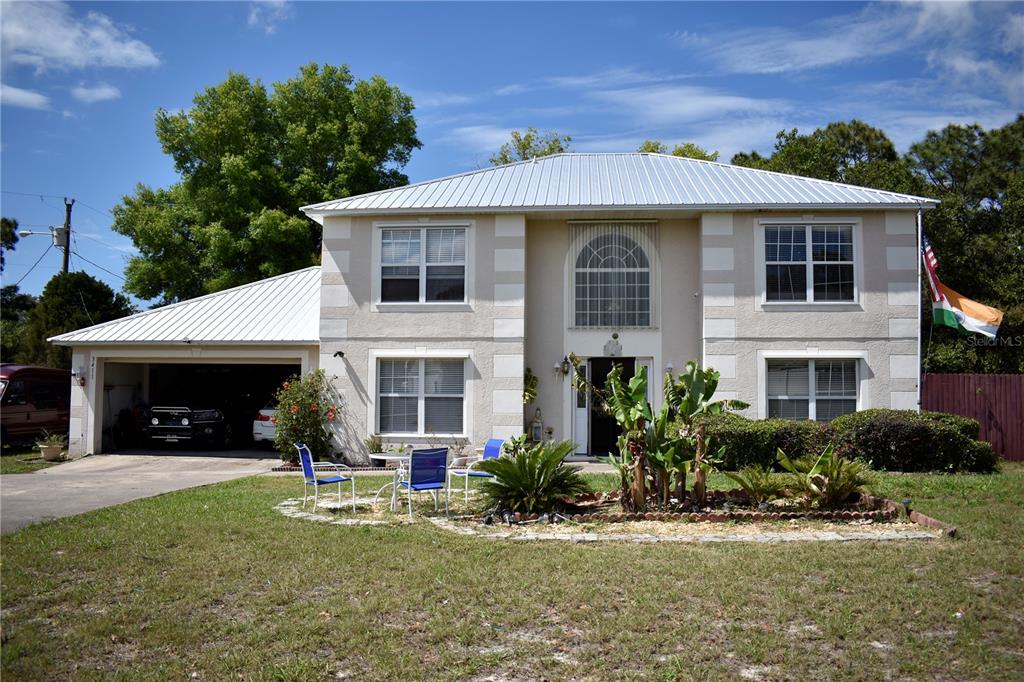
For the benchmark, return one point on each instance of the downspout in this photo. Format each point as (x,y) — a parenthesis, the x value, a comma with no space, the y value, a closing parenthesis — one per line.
(920,256)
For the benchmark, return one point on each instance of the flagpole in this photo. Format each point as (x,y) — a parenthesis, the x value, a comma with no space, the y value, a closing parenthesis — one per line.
(920,358)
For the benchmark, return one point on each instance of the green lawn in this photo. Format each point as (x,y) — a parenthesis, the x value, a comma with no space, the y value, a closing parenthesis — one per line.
(213,583)
(22,461)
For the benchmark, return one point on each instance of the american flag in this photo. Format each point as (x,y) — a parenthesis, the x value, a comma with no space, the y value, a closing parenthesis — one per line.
(931,264)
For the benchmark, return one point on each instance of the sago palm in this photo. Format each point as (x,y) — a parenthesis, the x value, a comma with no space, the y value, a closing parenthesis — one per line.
(533,481)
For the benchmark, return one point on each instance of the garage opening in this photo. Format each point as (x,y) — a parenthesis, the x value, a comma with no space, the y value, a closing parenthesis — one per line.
(190,406)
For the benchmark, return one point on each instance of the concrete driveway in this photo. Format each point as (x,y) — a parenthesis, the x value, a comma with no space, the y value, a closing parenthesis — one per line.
(105,480)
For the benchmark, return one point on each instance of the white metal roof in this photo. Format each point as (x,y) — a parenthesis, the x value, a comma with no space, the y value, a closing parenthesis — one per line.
(279,310)
(613,181)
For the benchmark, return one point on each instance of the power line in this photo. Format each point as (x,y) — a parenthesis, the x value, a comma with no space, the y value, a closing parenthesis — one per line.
(99,266)
(18,283)
(97,210)
(32,194)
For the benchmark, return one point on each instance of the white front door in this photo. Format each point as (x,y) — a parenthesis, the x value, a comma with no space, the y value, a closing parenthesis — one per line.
(581,415)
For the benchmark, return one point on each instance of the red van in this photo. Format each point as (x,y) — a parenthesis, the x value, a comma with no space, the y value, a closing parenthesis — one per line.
(33,400)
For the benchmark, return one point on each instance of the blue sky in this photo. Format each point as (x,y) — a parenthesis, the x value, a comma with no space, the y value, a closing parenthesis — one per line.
(82,81)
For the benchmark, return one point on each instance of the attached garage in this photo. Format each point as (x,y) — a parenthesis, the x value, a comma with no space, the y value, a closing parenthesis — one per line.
(226,351)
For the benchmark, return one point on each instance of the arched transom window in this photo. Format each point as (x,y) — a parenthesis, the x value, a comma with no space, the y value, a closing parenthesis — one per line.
(612,280)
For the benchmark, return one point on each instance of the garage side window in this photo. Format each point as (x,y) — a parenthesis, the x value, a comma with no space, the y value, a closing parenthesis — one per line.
(811,389)
(423,265)
(421,396)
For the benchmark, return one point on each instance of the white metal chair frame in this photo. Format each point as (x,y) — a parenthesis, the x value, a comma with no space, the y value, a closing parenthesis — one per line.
(316,489)
(465,464)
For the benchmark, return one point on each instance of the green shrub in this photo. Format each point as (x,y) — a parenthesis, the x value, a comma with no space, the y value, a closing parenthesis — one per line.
(965,425)
(533,480)
(304,411)
(891,440)
(902,440)
(747,442)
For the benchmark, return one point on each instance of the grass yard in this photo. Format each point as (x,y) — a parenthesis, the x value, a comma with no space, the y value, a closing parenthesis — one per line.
(212,583)
(22,461)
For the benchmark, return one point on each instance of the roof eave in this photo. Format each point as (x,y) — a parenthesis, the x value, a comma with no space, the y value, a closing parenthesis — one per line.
(319,214)
(58,341)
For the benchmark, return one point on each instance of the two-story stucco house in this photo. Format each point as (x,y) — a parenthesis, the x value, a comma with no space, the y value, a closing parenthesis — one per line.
(434,298)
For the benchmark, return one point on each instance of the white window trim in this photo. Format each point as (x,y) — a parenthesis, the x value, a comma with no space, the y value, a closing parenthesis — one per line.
(810,354)
(420,353)
(467,304)
(761,272)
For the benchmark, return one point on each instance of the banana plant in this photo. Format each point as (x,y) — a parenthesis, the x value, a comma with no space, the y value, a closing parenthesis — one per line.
(692,395)
(628,404)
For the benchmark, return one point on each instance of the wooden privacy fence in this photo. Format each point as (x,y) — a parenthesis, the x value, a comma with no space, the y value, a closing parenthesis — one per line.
(995,400)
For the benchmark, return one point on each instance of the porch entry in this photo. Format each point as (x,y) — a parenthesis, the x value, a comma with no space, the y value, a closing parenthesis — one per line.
(596,433)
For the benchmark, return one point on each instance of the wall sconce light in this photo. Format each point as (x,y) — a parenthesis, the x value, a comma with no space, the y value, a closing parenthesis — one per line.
(669,368)
(562,368)
(78,376)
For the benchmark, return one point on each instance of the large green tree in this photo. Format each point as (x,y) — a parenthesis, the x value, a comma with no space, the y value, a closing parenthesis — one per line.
(684,149)
(978,235)
(523,146)
(8,238)
(845,151)
(249,157)
(70,300)
(14,309)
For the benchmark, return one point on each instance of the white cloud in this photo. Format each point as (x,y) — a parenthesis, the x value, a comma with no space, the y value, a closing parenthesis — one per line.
(47,35)
(268,14)
(610,78)
(95,93)
(511,89)
(657,105)
(876,31)
(432,99)
(478,138)
(27,99)
(1012,35)
(967,70)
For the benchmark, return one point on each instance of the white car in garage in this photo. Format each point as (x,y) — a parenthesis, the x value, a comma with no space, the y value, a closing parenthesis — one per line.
(264,426)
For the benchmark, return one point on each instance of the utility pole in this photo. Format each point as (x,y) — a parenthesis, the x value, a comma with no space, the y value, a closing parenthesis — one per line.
(67,232)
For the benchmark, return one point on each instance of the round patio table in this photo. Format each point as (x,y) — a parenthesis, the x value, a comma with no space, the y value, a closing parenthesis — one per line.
(403,462)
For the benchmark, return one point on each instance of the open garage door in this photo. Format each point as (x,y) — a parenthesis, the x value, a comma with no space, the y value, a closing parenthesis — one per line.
(186,406)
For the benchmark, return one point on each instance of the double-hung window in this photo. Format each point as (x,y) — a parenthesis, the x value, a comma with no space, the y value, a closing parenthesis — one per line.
(812,263)
(421,396)
(820,389)
(423,265)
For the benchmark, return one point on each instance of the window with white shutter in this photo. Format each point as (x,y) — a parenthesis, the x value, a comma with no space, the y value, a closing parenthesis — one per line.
(423,265)
(421,396)
(820,389)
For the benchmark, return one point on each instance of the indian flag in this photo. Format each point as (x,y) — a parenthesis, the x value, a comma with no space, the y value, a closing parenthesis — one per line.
(953,310)
(950,308)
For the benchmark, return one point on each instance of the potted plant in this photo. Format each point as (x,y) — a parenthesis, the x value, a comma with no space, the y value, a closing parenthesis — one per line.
(375,446)
(52,446)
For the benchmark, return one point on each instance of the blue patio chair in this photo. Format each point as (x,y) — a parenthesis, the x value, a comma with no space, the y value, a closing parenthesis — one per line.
(309,469)
(463,466)
(426,472)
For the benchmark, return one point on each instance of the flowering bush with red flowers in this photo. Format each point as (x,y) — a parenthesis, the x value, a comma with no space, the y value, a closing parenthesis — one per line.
(305,410)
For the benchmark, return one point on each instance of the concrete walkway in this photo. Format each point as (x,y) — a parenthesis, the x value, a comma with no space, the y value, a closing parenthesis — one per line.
(106,480)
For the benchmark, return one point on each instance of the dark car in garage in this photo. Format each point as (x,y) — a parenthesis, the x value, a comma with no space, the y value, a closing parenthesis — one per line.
(206,426)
